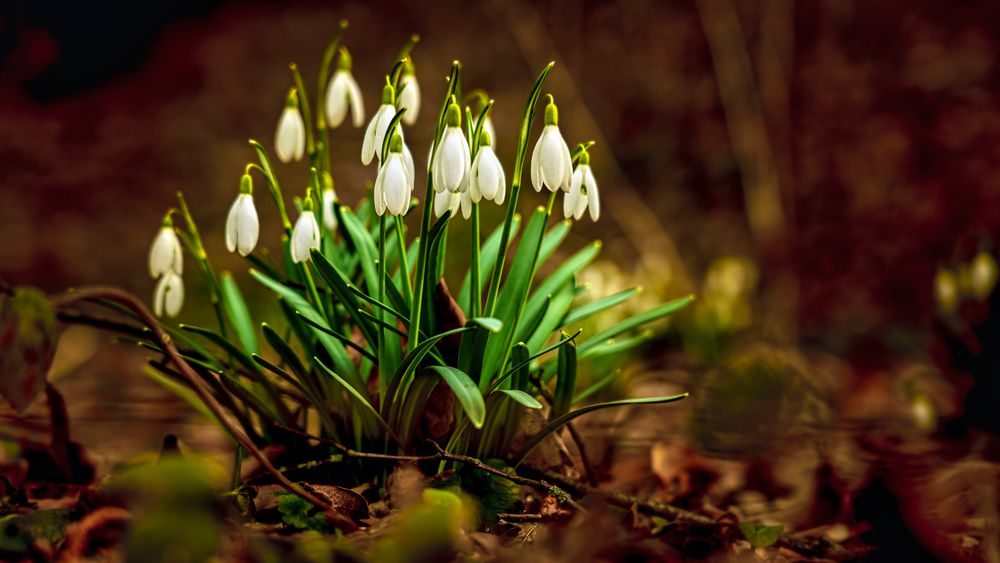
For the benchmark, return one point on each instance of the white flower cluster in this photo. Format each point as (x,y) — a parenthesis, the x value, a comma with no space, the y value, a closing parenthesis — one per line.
(166,264)
(463,173)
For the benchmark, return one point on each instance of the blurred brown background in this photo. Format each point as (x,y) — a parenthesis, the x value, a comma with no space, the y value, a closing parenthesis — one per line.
(847,148)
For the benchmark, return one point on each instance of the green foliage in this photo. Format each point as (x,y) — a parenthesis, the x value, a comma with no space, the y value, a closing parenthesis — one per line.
(760,535)
(369,339)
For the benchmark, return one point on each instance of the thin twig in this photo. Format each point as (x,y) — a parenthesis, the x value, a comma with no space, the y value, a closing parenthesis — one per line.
(200,387)
(442,454)
(820,547)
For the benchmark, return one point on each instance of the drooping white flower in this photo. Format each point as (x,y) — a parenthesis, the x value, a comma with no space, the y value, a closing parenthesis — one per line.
(551,164)
(165,252)
(290,138)
(329,213)
(409,95)
(487,177)
(582,192)
(394,184)
(465,201)
(242,224)
(488,127)
(168,296)
(305,234)
(377,127)
(446,201)
(451,159)
(343,93)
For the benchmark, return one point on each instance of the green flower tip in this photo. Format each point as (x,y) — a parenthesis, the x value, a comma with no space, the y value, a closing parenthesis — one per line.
(408,69)
(327,181)
(584,157)
(551,112)
(484,138)
(454,116)
(344,61)
(246,184)
(343,24)
(168,221)
(292,101)
(396,142)
(307,203)
(388,94)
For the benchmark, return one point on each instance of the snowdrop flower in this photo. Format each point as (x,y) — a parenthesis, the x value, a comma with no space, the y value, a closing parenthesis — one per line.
(377,127)
(290,138)
(487,180)
(343,93)
(488,127)
(329,213)
(551,165)
(582,192)
(165,253)
(305,234)
(242,224)
(409,94)
(451,159)
(465,201)
(446,201)
(168,296)
(394,184)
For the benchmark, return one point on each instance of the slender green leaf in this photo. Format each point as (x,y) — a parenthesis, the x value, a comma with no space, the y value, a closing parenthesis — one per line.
(636,321)
(238,313)
(487,258)
(562,420)
(523,398)
(590,309)
(565,380)
(466,392)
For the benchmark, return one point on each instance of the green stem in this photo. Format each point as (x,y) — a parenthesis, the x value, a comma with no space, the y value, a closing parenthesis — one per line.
(311,287)
(272,184)
(404,268)
(476,293)
(515,189)
(383,375)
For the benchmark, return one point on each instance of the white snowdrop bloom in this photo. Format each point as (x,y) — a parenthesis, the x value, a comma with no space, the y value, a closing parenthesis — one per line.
(451,159)
(551,165)
(487,177)
(446,201)
(409,97)
(329,214)
(165,253)
(394,184)
(342,93)
(290,138)
(377,127)
(242,225)
(582,192)
(305,234)
(168,296)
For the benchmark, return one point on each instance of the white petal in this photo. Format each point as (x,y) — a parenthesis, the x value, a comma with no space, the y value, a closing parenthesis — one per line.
(232,228)
(466,201)
(501,187)
(397,193)
(329,214)
(567,164)
(379,193)
(474,189)
(337,98)
(368,143)
(165,253)
(572,197)
(593,198)
(375,133)
(453,158)
(442,202)
(409,98)
(385,114)
(489,172)
(305,236)
(357,102)
(168,296)
(408,160)
(290,138)
(536,165)
(553,167)
(248,225)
